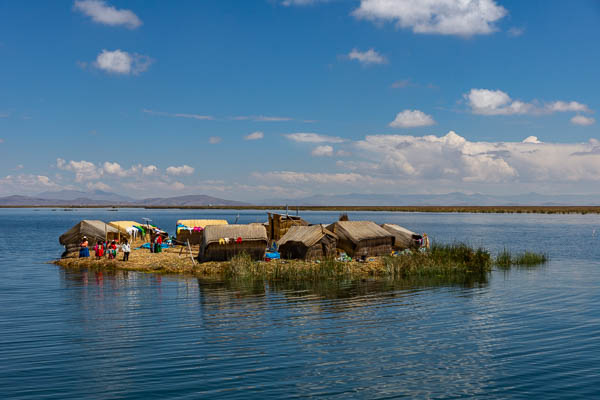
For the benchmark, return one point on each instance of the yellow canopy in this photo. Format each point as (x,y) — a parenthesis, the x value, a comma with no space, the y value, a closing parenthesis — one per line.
(192,223)
(123,225)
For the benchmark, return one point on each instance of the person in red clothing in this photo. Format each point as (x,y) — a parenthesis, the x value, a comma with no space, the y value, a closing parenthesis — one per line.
(99,250)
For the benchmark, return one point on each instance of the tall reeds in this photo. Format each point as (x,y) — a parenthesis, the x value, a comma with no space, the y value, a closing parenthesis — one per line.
(506,259)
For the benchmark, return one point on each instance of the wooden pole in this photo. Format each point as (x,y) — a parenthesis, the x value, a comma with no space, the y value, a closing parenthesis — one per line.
(190,249)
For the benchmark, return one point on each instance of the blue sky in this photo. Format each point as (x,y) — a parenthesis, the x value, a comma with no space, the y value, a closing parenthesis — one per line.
(155,98)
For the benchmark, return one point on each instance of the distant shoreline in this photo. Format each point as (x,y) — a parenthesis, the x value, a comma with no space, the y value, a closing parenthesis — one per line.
(293,208)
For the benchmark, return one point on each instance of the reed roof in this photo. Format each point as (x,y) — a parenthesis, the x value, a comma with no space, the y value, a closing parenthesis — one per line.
(397,229)
(307,235)
(254,232)
(91,228)
(356,231)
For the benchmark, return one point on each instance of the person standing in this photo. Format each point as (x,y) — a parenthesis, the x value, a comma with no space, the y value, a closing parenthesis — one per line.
(99,250)
(125,248)
(83,248)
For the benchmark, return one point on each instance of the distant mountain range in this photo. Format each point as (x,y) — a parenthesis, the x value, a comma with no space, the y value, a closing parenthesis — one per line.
(101,198)
(448,199)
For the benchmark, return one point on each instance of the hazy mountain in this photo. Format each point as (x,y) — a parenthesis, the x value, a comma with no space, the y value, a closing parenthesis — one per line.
(190,200)
(91,195)
(100,198)
(448,199)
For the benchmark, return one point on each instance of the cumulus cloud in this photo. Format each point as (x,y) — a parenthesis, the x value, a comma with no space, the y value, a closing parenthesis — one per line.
(122,63)
(531,139)
(367,57)
(179,115)
(149,170)
(182,170)
(497,102)
(103,13)
(254,136)
(454,158)
(445,17)
(113,168)
(412,119)
(313,138)
(26,183)
(214,139)
(84,170)
(88,171)
(582,120)
(321,151)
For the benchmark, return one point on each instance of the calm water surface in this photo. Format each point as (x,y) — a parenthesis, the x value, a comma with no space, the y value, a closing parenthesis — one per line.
(526,333)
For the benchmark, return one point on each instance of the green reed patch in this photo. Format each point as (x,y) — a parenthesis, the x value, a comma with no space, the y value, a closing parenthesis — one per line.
(506,259)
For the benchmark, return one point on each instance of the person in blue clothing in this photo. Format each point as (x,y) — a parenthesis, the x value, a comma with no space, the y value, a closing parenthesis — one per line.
(84,251)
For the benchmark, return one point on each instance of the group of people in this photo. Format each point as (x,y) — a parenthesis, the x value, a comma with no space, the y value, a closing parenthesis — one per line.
(106,248)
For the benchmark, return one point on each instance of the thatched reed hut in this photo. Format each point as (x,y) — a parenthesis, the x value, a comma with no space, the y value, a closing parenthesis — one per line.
(308,242)
(222,242)
(403,238)
(93,230)
(362,238)
(134,231)
(193,229)
(280,223)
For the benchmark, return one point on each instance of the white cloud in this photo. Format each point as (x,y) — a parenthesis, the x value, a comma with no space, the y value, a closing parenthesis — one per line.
(88,171)
(254,136)
(322,151)
(149,170)
(515,31)
(214,139)
(497,102)
(114,168)
(582,120)
(122,62)
(445,17)
(261,118)
(179,115)
(412,119)
(367,57)
(84,170)
(452,158)
(182,170)
(289,3)
(29,183)
(103,13)
(401,84)
(320,178)
(531,139)
(313,138)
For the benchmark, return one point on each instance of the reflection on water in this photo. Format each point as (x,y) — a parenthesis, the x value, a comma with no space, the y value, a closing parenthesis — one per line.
(525,333)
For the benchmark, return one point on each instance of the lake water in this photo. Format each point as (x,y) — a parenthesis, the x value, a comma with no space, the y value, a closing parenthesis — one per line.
(525,333)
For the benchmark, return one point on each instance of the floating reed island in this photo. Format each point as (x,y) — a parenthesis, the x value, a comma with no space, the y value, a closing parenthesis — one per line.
(344,249)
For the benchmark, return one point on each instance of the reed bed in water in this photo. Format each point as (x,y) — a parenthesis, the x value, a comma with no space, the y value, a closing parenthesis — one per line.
(506,259)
